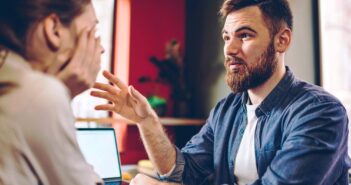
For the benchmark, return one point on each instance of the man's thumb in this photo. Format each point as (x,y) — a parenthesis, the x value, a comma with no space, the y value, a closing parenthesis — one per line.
(135,94)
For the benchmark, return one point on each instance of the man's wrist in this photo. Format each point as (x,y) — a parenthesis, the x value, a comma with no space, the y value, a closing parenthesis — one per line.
(150,121)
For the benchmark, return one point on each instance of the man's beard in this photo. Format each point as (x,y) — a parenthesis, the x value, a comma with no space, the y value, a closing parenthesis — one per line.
(249,76)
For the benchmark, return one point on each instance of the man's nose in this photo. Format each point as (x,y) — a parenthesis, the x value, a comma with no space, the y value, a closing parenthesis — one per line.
(232,47)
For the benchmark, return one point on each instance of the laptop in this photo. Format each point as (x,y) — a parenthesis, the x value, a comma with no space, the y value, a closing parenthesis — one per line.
(99,148)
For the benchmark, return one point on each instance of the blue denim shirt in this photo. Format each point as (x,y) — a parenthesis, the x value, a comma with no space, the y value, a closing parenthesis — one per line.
(300,138)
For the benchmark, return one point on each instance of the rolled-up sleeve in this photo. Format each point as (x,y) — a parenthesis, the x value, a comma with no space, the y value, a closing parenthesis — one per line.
(175,175)
(194,163)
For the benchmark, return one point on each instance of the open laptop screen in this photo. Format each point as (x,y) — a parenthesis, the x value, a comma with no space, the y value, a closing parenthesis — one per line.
(99,148)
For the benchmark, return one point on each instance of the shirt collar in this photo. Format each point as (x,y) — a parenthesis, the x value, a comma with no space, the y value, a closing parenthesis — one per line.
(13,66)
(15,61)
(275,96)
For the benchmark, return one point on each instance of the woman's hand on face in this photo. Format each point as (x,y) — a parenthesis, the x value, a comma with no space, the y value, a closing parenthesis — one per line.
(82,68)
(125,100)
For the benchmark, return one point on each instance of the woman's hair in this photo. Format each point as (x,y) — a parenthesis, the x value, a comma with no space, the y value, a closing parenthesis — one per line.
(17,17)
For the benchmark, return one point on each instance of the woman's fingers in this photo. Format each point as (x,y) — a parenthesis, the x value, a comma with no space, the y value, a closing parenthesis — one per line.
(90,51)
(81,50)
(96,64)
(57,66)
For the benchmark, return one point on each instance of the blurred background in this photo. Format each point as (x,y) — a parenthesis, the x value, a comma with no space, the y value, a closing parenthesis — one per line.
(172,52)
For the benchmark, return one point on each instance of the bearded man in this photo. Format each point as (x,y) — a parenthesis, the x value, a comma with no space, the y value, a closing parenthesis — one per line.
(272,129)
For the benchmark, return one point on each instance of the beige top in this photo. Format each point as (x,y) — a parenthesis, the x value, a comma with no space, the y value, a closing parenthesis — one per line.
(37,134)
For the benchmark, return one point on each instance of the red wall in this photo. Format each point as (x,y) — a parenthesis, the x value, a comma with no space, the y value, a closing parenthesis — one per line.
(153,23)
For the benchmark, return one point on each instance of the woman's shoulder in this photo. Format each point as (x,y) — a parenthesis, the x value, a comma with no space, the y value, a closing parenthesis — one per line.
(36,93)
(38,87)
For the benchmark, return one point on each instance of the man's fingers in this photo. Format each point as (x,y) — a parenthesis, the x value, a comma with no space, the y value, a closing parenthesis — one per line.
(103,95)
(106,87)
(115,80)
(106,107)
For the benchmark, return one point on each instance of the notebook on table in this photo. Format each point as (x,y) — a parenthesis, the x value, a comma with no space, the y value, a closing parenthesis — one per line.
(99,147)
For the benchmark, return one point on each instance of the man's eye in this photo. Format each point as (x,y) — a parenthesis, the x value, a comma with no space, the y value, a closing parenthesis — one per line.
(244,36)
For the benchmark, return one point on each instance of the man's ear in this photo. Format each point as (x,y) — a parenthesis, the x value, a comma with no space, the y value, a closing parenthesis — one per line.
(52,31)
(283,40)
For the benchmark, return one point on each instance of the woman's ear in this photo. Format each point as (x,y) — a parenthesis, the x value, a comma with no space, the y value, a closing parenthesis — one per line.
(52,31)
(283,40)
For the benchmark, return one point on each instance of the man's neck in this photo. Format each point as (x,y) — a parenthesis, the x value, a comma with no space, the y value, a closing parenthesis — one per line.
(258,94)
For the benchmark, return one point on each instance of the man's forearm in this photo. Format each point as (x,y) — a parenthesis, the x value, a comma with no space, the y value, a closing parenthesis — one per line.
(159,148)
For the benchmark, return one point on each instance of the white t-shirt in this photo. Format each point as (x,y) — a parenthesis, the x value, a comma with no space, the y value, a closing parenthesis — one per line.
(245,169)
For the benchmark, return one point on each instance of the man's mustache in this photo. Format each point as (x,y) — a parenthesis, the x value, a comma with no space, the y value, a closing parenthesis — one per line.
(231,60)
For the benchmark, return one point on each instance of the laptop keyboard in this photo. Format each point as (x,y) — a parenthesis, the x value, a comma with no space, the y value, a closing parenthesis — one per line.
(112,183)
(116,183)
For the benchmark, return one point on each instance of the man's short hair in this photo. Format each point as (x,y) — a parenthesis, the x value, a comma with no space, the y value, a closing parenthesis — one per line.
(275,13)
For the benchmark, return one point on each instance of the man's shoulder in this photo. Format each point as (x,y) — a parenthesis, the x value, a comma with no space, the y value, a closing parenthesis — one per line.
(305,99)
(305,91)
